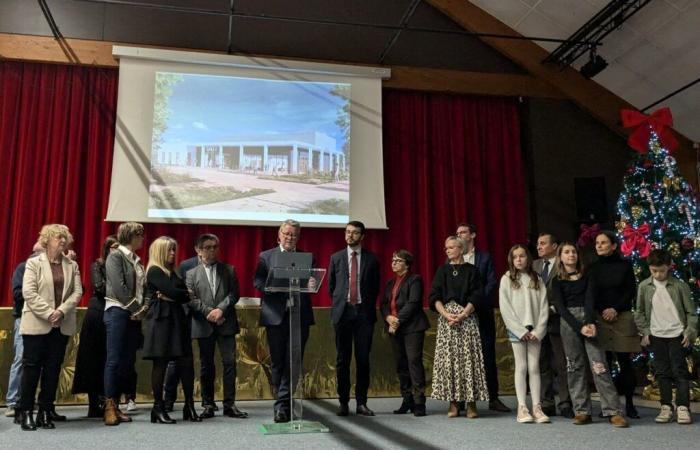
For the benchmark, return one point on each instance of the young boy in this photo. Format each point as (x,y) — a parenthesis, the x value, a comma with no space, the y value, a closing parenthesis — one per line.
(667,320)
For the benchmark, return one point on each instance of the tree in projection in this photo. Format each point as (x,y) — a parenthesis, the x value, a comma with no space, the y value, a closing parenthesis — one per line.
(164,83)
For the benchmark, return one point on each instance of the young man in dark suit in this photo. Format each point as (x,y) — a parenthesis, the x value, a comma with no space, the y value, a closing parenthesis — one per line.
(214,289)
(353,280)
(487,324)
(274,316)
(552,358)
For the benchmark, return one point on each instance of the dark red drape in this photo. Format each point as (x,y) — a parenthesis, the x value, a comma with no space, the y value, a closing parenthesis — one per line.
(446,159)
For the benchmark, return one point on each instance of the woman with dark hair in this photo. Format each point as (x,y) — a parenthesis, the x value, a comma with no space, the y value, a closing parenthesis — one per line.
(167,335)
(614,293)
(90,361)
(458,370)
(571,290)
(402,309)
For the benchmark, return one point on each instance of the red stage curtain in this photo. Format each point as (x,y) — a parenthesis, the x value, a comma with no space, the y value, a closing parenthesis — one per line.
(446,159)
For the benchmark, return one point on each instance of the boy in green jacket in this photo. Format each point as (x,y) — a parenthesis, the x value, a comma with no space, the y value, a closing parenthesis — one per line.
(667,320)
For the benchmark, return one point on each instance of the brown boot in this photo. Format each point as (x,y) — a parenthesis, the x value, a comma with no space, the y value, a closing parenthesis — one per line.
(453,411)
(582,419)
(618,421)
(120,415)
(110,416)
(471,410)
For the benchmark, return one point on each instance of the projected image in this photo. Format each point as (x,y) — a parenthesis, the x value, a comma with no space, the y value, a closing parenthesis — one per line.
(253,149)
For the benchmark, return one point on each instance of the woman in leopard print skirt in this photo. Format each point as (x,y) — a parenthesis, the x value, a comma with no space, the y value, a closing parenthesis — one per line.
(458,369)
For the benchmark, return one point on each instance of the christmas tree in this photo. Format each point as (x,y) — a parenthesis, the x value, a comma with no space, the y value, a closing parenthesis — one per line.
(657,207)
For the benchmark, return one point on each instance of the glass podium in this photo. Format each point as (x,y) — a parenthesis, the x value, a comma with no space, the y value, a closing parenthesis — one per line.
(294,279)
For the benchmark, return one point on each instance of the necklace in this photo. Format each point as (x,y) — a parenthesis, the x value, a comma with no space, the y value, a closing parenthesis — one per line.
(455,272)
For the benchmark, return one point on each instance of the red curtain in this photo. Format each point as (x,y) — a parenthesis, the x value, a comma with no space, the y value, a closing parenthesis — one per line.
(446,159)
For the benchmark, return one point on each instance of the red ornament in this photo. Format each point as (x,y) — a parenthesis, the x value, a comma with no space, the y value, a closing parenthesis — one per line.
(687,244)
(648,164)
(660,122)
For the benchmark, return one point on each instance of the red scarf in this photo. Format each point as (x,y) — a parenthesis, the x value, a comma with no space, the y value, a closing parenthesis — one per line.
(398,280)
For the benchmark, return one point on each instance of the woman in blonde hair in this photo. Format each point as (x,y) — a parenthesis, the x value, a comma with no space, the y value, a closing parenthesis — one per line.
(166,328)
(51,288)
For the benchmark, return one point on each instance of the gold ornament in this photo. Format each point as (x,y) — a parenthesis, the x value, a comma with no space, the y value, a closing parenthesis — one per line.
(674,249)
(692,280)
(638,271)
(620,225)
(667,182)
(697,242)
(637,212)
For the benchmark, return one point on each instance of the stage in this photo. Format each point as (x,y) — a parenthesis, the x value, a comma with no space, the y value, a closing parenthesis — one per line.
(385,430)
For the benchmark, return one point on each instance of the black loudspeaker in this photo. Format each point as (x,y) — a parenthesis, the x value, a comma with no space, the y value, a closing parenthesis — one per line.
(591,199)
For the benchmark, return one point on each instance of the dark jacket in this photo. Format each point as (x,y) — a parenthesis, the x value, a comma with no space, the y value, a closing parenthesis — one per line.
(614,284)
(339,281)
(409,304)
(463,289)
(274,305)
(121,280)
(166,327)
(484,265)
(18,300)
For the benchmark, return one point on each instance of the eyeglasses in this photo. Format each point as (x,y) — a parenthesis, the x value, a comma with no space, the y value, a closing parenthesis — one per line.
(210,247)
(397,260)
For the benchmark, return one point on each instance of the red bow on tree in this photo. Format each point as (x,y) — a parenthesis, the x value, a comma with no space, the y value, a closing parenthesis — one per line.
(636,239)
(659,121)
(588,234)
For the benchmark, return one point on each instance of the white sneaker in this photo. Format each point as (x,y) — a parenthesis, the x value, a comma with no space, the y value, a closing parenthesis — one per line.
(665,415)
(539,415)
(131,406)
(683,415)
(524,415)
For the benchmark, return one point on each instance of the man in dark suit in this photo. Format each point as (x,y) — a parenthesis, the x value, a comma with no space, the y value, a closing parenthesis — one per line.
(552,358)
(487,324)
(274,316)
(214,289)
(353,280)
(172,376)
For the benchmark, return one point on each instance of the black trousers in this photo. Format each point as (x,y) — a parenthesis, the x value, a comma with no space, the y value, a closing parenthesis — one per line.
(185,369)
(487,332)
(553,372)
(670,367)
(227,350)
(354,329)
(278,342)
(172,379)
(42,359)
(408,350)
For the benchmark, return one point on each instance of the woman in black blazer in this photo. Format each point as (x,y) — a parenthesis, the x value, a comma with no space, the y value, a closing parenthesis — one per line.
(402,309)
(167,328)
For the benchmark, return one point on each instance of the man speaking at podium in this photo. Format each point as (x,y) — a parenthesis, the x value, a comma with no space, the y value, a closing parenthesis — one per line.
(274,316)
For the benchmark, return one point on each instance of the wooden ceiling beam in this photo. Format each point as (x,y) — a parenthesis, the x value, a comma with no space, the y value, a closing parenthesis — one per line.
(99,54)
(599,102)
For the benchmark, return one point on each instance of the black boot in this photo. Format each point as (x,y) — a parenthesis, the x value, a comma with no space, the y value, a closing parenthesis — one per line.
(44,419)
(159,415)
(630,410)
(18,416)
(406,406)
(189,413)
(95,410)
(419,410)
(27,420)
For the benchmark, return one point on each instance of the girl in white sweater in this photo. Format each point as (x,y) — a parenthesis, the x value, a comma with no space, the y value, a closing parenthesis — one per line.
(524,308)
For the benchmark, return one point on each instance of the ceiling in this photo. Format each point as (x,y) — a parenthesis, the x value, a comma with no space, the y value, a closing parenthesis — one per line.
(650,56)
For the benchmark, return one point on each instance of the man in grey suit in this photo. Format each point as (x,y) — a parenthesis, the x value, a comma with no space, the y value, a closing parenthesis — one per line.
(214,289)
(353,280)
(552,358)
(274,316)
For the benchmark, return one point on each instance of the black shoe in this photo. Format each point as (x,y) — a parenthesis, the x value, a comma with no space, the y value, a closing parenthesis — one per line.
(17,419)
(169,405)
(343,410)
(419,410)
(189,413)
(55,416)
(208,412)
(27,421)
(363,410)
(497,405)
(44,420)
(566,412)
(549,410)
(631,412)
(95,411)
(234,412)
(281,417)
(406,406)
(160,415)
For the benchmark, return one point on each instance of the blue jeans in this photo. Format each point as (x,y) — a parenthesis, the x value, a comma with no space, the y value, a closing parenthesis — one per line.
(122,342)
(16,368)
